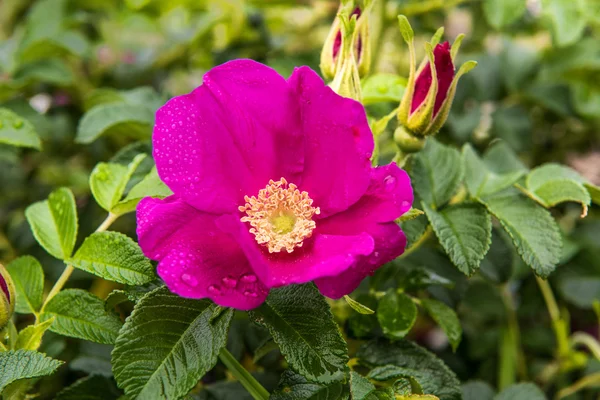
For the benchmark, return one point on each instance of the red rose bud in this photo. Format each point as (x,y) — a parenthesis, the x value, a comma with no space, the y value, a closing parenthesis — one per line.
(333,52)
(7,296)
(430,89)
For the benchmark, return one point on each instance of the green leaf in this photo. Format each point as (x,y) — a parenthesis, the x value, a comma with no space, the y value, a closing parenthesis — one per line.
(436,172)
(501,13)
(23,364)
(411,214)
(581,291)
(551,184)
(150,186)
(114,256)
(521,391)
(360,387)
(128,120)
(28,277)
(390,360)
(30,338)
(293,386)
(54,223)
(465,233)
(108,181)
(167,344)
(80,314)
(380,88)
(497,264)
(482,181)
(396,313)
(477,390)
(301,323)
(446,318)
(356,306)
(567,20)
(93,387)
(93,359)
(531,228)
(17,131)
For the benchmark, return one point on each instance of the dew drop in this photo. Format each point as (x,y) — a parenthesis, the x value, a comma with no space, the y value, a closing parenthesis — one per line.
(213,289)
(250,293)
(249,278)
(229,282)
(189,280)
(405,204)
(389,182)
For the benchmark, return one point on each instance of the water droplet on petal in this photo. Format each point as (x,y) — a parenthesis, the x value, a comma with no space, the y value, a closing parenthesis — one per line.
(405,204)
(230,282)
(249,278)
(389,183)
(250,293)
(189,279)
(214,289)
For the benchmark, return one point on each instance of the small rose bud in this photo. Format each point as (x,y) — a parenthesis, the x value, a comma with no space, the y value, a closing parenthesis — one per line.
(7,296)
(332,53)
(430,90)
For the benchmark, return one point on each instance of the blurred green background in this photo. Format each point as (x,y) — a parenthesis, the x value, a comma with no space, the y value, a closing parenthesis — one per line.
(89,74)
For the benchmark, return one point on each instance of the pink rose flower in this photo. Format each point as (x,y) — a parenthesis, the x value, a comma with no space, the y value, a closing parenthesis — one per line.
(273,186)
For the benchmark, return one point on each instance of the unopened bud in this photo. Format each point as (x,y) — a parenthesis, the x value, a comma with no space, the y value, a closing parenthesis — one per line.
(7,297)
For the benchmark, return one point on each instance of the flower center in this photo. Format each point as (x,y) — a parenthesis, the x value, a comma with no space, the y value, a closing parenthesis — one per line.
(280,216)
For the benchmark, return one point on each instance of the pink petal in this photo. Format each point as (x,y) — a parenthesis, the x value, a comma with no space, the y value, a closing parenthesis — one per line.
(228,137)
(196,259)
(338,144)
(389,244)
(321,255)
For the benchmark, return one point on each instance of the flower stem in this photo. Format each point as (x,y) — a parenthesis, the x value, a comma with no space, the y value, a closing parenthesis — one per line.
(588,341)
(66,274)
(558,324)
(255,389)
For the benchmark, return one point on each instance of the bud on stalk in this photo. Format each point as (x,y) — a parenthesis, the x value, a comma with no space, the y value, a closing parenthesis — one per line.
(430,90)
(7,297)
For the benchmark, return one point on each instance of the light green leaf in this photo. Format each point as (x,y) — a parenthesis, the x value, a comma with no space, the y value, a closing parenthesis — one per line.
(114,256)
(380,88)
(482,181)
(531,228)
(28,277)
(93,387)
(551,184)
(390,360)
(446,318)
(396,313)
(17,131)
(465,233)
(501,13)
(30,338)
(150,186)
(360,387)
(108,181)
(411,214)
(167,344)
(567,20)
(80,314)
(23,364)
(301,323)
(356,306)
(436,173)
(293,386)
(128,120)
(521,391)
(54,223)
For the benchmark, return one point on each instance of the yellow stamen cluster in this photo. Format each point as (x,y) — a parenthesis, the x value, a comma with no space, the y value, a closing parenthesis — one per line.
(280,216)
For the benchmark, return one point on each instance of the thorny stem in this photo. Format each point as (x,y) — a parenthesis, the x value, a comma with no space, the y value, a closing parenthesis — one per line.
(64,277)
(257,391)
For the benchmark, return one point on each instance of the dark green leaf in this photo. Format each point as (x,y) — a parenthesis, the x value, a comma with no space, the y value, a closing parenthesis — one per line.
(465,233)
(446,318)
(521,391)
(167,344)
(22,364)
(93,387)
(80,314)
(482,181)
(301,323)
(295,387)
(396,313)
(477,390)
(360,387)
